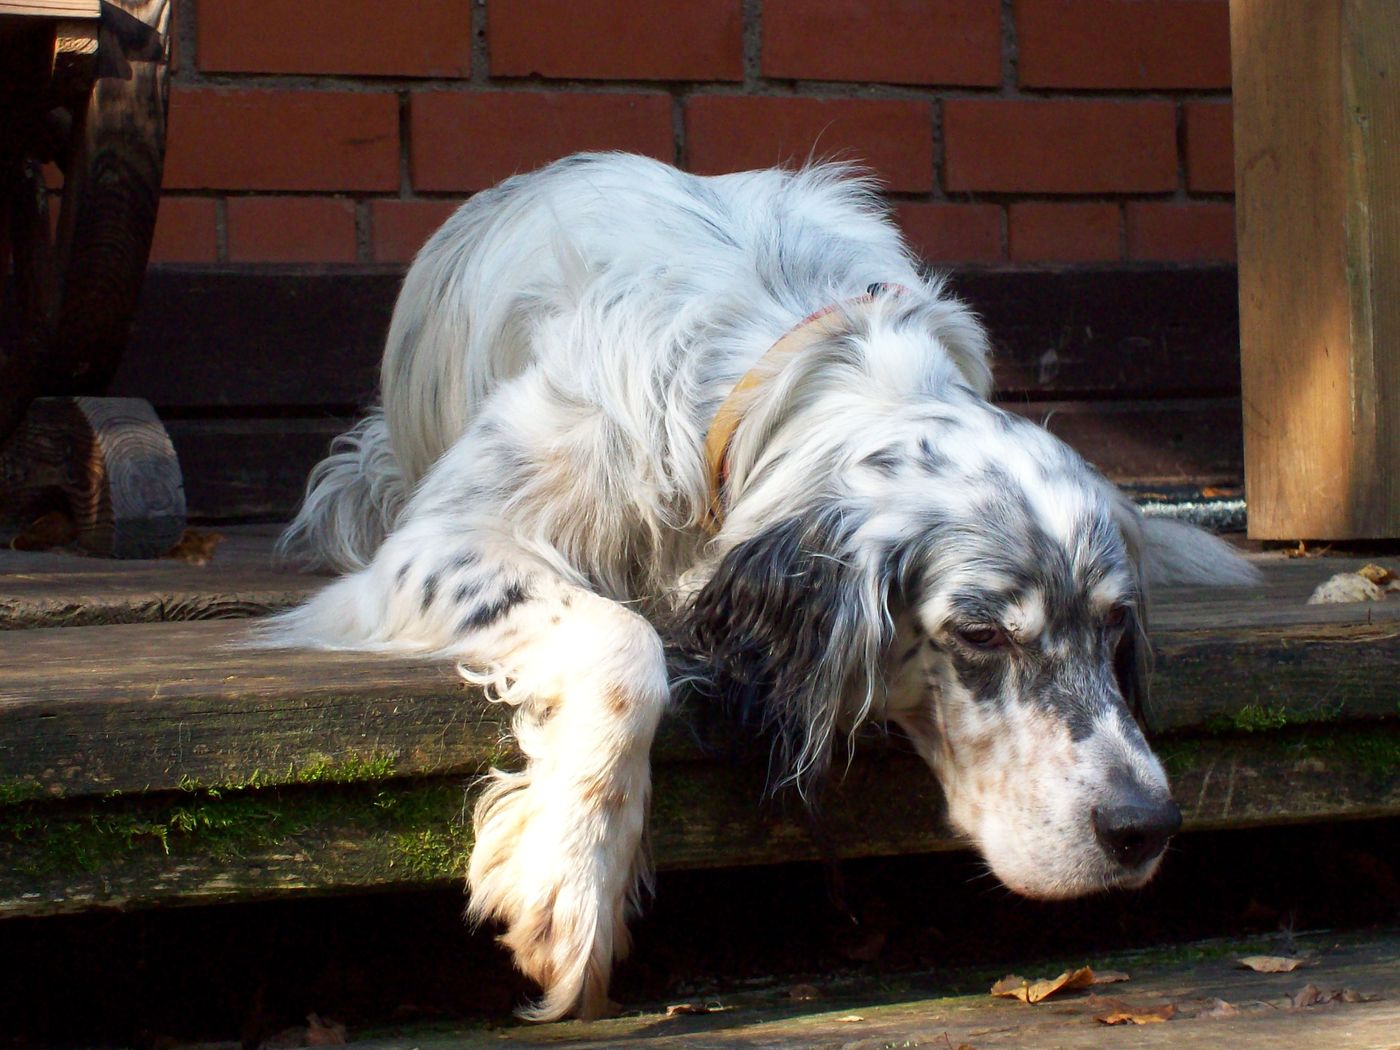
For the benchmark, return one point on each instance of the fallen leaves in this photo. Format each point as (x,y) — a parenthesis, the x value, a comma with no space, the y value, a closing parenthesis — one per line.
(195,547)
(1014,986)
(679,1009)
(1312,995)
(54,529)
(1271,963)
(1116,1011)
(1370,583)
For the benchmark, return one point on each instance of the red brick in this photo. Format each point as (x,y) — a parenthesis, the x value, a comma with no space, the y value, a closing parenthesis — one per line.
(736,132)
(291,229)
(400,227)
(413,38)
(617,39)
(185,231)
(1210,147)
(260,139)
(886,41)
(952,233)
(1169,232)
(1123,43)
(1012,146)
(1042,232)
(469,141)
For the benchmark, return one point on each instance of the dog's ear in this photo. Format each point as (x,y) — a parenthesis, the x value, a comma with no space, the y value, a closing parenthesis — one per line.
(1132,660)
(1132,666)
(784,632)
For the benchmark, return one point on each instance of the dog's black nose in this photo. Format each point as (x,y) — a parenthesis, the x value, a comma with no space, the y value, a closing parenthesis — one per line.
(1133,833)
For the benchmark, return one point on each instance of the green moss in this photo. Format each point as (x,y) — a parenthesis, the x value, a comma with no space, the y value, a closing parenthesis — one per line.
(1371,749)
(13,792)
(1252,718)
(318,769)
(414,825)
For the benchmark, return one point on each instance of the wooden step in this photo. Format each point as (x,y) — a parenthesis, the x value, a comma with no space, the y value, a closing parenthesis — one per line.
(159,763)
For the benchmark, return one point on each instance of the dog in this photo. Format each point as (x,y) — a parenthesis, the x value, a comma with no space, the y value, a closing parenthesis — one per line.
(630,412)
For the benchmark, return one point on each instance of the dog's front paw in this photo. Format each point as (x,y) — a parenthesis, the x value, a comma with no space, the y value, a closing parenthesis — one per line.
(536,868)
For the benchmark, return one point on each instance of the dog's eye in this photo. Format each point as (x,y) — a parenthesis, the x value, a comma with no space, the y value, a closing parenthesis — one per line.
(1116,618)
(982,636)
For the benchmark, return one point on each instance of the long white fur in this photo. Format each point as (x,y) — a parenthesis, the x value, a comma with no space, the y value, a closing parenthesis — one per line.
(555,358)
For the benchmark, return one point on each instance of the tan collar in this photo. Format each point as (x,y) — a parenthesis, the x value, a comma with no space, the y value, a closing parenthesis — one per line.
(826,322)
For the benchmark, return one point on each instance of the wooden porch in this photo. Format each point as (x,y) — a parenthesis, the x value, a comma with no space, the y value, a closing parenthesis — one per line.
(145,760)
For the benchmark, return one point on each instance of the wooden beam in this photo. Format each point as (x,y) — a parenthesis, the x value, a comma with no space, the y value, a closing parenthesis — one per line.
(148,707)
(198,847)
(1317,161)
(52,8)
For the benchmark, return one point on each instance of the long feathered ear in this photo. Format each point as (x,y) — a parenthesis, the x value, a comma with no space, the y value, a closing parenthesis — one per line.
(788,629)
(1132,666)
(1132,660)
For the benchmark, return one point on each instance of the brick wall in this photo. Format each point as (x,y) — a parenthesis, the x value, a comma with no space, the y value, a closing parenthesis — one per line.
(1021,133)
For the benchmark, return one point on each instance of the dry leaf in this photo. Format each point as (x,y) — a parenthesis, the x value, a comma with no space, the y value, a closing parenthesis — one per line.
(803,992)
(195,547)
(1116,1011)
(1270,963)
(54,529)
(1385,579)
(677,1009)
(1110,976)
(323,1033)
(853,1017)
(1013,986)
(1312,995)
(1219,492)
(1219,1008)
(1304,551)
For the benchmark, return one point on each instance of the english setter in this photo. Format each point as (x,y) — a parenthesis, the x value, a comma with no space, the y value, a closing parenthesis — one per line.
(868,538)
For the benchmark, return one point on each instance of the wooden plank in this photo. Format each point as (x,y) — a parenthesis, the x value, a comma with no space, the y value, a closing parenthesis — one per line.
(242,469)
(1166,442)
(151,706)
(60,589)
(196,847)
(51,8)
(881,1010)
(1317,148)
(1106,334)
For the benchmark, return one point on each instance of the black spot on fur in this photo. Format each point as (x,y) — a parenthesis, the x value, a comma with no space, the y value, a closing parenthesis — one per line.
(886,461)
(402,574)
(492,611)
(430,586)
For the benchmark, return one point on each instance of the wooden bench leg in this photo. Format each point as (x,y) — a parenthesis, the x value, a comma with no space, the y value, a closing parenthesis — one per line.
(109,462)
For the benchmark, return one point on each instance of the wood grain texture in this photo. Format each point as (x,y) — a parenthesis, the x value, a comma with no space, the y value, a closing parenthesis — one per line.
(148,706)
(110,853)
(51,8)
(1317,146)
(108,462)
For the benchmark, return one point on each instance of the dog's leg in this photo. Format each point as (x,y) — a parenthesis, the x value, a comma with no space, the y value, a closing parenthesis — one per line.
(558,855)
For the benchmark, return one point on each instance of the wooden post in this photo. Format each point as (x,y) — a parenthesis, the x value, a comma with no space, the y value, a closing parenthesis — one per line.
(1317,172)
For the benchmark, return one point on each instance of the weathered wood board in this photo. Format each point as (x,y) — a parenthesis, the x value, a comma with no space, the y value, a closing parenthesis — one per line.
(926,1012)
(64,589)
(353,828)
(159,762)
(1317,162)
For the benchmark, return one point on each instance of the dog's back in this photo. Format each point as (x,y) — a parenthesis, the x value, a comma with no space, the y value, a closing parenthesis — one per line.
(558,246)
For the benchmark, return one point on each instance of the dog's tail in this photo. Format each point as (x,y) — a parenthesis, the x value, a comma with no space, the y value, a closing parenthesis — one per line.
(1181,553)
(353,498)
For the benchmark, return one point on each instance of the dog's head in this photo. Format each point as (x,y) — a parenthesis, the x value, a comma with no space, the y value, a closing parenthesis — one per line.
(972,580)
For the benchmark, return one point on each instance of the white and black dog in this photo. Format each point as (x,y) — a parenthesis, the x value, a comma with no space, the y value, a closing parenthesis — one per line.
(621,401)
